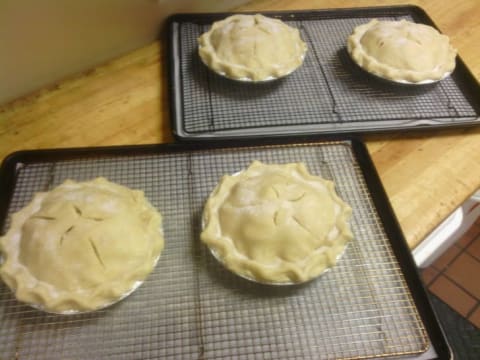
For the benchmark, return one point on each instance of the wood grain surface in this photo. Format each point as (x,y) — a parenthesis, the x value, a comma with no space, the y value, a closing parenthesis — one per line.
(426,174)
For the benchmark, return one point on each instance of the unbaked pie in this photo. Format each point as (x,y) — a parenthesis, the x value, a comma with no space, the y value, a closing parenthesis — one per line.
(276,223)
(252,47)
(81,246)
(402,51)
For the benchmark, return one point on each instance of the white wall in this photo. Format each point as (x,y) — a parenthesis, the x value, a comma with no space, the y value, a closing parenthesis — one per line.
(43,41)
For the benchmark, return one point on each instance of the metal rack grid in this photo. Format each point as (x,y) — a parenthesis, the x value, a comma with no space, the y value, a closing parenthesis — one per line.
(327,93)
(191,307)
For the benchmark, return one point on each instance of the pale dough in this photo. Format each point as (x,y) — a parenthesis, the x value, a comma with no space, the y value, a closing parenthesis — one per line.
(276,223)
(252,47)
(81,246)
(402,51)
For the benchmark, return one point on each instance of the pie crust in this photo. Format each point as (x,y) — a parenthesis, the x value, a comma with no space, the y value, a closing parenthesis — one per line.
(402,51)
(276,224)
(252,47)
(81,246)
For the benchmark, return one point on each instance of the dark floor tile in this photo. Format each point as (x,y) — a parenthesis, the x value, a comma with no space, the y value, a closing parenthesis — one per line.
(465,271)
(474,248)
(472,233)
(447,257)
(429,274)
(453,295)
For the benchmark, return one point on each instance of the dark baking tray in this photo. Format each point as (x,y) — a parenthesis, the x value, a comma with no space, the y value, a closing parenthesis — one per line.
(371,304)
(327,94)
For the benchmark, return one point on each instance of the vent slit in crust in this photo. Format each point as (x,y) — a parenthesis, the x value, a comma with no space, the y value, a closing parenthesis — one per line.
(96,252)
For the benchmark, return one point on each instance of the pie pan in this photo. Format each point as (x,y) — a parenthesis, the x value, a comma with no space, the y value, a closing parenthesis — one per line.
(249,80)
(290,283)
(132,289)
(78,312)
(221,260)
(252,48)
(399,82)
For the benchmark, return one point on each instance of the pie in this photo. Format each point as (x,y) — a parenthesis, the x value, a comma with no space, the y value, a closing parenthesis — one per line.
(402,51)
(252,47)
(81,246)
(276,223)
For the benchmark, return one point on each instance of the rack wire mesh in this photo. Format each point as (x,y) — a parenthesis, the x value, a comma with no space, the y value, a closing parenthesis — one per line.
(327,93)
(190,307)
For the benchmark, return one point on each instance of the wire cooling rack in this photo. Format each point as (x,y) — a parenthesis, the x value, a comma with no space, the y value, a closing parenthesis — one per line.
(190,307)
(328,93)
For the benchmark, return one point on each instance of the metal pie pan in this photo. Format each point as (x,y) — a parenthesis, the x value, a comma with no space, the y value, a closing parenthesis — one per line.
(286,283)
(249,278)
(400,81)
(134,287)
(247,80)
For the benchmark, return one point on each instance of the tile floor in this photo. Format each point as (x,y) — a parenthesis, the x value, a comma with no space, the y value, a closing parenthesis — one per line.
(455,276)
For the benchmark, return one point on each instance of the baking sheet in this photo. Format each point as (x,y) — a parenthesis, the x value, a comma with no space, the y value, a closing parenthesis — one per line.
(190,307)
(327,94)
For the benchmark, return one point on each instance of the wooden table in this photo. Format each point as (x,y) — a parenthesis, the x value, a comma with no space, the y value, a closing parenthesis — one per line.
(426,175)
